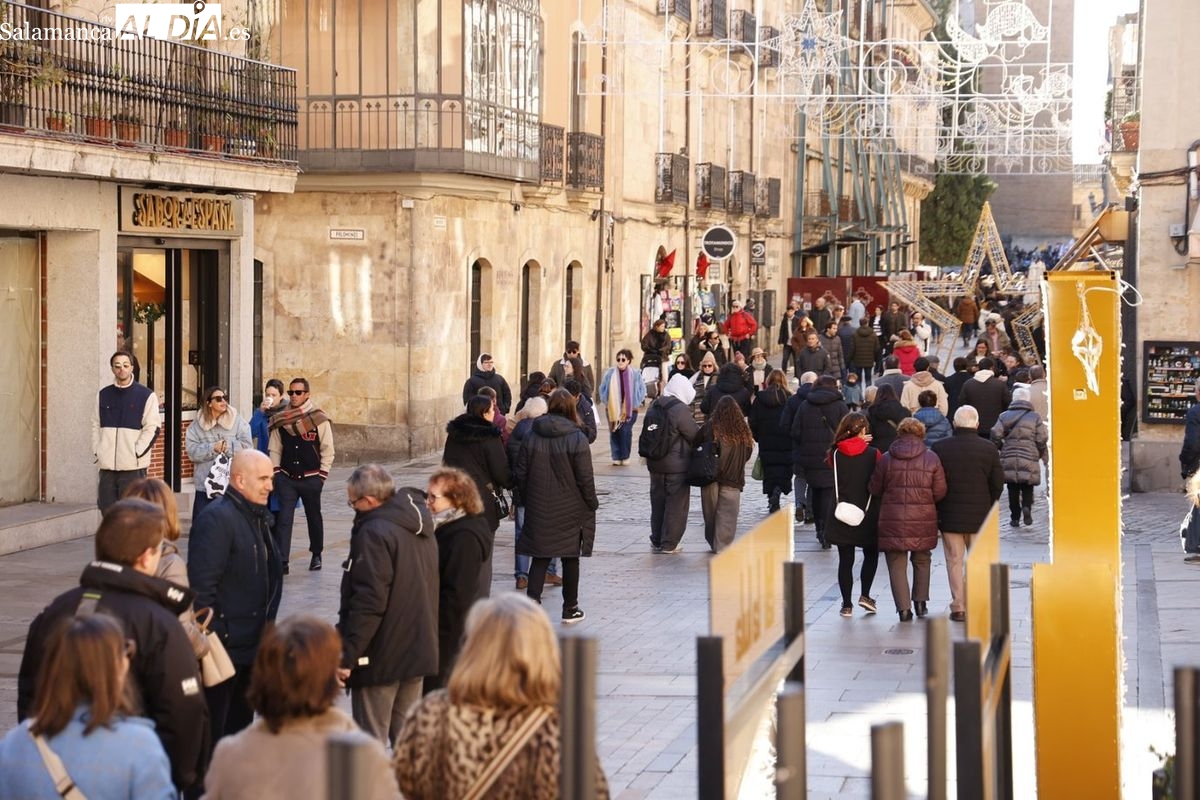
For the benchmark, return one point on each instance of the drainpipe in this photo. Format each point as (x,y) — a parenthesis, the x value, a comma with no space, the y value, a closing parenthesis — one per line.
(603,347)
(687,207)
(410,205)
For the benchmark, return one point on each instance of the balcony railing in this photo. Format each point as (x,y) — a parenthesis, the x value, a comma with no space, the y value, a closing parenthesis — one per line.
(712,19)
(816,204)
(552,153)
(418,133)
(678,8)
(767,198)
(148,94)
(742,26)
(585,161)
(741,192)
(710,186)
(768,50)
(847,208)
(670,178)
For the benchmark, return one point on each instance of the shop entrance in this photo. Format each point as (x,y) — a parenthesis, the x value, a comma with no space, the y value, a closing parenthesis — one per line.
(173,316)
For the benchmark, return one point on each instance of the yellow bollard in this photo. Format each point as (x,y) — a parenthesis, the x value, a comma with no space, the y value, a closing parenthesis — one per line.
(1076,598)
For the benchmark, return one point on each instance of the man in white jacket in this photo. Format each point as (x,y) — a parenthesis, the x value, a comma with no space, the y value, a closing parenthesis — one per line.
(125,423)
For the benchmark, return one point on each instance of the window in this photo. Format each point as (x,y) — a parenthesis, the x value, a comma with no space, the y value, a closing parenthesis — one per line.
(502,54)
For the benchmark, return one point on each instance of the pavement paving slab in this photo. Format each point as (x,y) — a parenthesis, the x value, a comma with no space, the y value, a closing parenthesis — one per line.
(646,611)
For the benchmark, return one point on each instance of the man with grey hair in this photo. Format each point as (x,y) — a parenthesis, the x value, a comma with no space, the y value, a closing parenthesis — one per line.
(1189,454)
(388,617)
(974,482)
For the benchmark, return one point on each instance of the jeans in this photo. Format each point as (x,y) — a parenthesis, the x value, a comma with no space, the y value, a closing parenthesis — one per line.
(113,483)
(846,570)
(620,441)
(670,499)
(380,710)
(720,505)
(864,375)
(199,502)
(309,492)
(570,588)
(898,576)
(520,562)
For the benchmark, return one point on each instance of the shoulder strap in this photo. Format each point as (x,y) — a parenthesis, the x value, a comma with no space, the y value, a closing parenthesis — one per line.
(87,603)
(504,756)
(63,784)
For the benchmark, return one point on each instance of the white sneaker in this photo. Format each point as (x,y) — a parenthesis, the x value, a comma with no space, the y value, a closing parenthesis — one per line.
(678,549)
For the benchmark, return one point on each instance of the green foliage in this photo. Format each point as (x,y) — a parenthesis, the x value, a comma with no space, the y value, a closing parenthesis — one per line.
(949,216)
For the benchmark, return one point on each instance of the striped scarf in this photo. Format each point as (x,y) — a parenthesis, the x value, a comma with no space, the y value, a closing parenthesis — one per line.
(620,397)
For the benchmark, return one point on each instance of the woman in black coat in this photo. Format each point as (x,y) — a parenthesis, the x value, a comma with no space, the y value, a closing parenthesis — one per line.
(774,440)
(813,430)
(464,543)
(730,381)
(554,470)
(853,461)
(473,444)
(885,415)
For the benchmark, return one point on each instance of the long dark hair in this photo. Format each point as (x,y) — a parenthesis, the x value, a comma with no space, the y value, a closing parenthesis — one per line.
(728,424)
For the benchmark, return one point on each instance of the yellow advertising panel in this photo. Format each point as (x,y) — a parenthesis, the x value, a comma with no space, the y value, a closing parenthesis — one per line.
(985,551)
(1076,598)
(745,589)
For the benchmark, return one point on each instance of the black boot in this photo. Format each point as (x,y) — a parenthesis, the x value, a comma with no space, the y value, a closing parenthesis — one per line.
(1016,519)
(773,500)
(1028,515)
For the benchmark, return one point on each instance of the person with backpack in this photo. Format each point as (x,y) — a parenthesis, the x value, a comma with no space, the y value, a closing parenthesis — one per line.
(668,431)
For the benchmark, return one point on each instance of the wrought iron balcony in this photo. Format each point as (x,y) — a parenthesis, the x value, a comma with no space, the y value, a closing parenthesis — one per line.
(419,133)
(710,186)
(678,8)
(767,198)
(741,192)
(816,204)
(148,94)
(742,26)
(552,153)
(671,178)
(712,18)
(585,161)
(847,208)
(768,50)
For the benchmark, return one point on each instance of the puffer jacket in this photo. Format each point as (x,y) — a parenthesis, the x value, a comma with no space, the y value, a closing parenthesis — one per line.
(921,382)
(813,431)
(388,617)
(909,481)
(730,381)
(554,469)
(774,440)
(473,445)
(864,347)
(908,353)
(937,427)
(1021,436)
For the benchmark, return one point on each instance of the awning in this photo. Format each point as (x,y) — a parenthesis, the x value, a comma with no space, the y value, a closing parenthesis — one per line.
(846,237)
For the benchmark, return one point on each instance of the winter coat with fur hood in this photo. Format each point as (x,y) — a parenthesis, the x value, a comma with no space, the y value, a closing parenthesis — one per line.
(473,445)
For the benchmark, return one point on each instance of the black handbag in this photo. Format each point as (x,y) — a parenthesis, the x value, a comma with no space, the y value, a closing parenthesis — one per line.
(702,463)
(503,506)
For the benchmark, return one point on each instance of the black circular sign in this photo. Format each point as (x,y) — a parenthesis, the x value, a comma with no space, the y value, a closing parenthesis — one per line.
(718,243)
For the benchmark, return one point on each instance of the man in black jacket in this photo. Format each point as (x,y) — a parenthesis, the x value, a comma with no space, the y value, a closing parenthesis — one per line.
(121,583)
(988,394)
(787,326)
(235,569)
(583,407)
(485,374)
(388,615)
(974,481)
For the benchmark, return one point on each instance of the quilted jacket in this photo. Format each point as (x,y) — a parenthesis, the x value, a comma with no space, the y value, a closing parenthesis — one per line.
(909,481)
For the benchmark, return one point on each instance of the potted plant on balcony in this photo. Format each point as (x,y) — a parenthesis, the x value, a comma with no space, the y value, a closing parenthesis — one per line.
(129,124)
(215,128)
(23,66)
(97,121)
(175,132)
(1131,130)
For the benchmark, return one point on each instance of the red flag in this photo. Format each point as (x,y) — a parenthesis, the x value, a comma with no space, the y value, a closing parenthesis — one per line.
(665,265)
(702,265)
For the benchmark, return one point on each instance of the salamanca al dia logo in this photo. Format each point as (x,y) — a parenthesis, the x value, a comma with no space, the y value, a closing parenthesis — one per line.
(191,22)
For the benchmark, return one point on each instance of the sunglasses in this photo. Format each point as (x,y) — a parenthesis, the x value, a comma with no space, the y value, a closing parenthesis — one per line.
(217,398)
(294,392)
(622,359)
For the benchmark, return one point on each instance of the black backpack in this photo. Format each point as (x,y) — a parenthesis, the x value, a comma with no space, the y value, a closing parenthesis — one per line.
(654,443)
(703,462)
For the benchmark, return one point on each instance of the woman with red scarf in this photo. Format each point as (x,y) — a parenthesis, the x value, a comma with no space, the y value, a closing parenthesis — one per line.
(853,461)
(622,391)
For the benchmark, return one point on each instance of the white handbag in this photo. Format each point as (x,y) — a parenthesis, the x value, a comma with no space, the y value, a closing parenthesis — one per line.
(845,512)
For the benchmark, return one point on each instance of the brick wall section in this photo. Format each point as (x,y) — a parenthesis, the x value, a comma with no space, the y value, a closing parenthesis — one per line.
(157,458)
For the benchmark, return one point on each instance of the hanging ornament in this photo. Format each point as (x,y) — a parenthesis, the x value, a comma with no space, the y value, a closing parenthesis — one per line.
(1086,344)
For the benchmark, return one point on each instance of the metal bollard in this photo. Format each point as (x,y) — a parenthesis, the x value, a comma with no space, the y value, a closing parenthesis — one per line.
(349,776)
(937,692)
(1185,732)
(791,760)
(887,761)
(577,776)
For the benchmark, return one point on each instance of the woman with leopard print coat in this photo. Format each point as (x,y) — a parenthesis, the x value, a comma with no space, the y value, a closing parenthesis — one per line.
(508,670)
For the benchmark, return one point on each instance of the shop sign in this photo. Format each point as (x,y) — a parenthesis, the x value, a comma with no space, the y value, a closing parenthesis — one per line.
(718,243)
(347,234)
(180,213)
(758,252)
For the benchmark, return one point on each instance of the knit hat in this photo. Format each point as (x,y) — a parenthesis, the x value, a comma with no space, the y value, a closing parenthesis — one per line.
(1020,393)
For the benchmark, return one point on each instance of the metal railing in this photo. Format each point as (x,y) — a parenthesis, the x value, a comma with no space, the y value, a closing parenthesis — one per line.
(816,204)
(585,161)
(552,153)
(680,8)
(712,18)
(80,82)
(741,192)
(742,26)
(767,198)
(710,186)
(671,178)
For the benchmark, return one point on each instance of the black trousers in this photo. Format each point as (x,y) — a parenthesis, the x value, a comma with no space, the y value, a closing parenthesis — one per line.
(287,489)
(570,576)
(113,483)
(1020,495)
(228,709)
(846,570)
